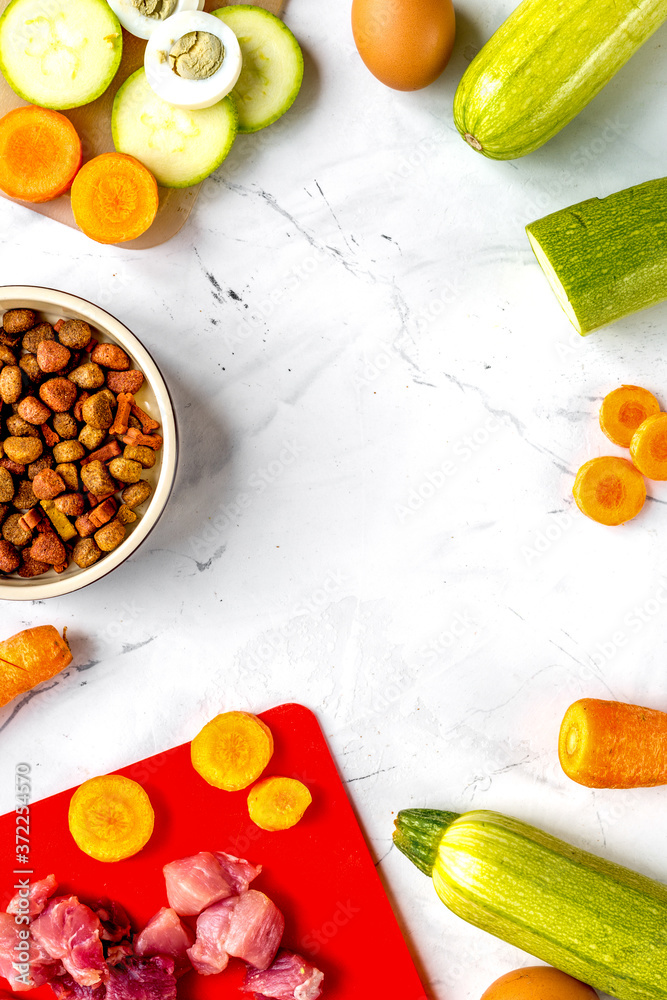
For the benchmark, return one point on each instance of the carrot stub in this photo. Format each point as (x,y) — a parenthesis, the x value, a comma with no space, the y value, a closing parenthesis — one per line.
(232,750)
(278,803)
(623,410)
(609,490)
(114,198)
(609,744)
(30,657)
(111,817)
(40,153)
(648,447)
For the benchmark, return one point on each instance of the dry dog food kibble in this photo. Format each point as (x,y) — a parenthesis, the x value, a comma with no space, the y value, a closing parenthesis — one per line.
(74,445)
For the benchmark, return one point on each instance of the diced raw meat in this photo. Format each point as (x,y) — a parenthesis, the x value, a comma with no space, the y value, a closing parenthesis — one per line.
(65,988)
(41,967)
(209,953)
(256,928)
(115,921)
(165,934)
(142,979)
(196,882)
(290,977)
(38,893)
(70,931)
(239,873)
(249,926)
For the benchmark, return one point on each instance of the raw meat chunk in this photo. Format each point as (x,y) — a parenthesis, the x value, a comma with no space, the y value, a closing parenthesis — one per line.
(195,883)
(290,977)
(165,934)
(66,988)
(142,979)
(239,873)
(70,931)
(209,953)
(41,966)
(38,894)
(249,926)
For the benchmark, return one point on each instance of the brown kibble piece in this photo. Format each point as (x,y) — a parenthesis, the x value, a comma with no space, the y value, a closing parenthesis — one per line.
(18,320)
(30,567)
(18,427)
(10,558)
(96,412)
(69,474)
(68,451)
(58,393)
(38,334)
(74,333)
(33,411)
(127,381)
(137,493)
(84,526)
(87,376)
(91,437)
(13,532)
(72,504)
(47,484)
(110,536)
(86,552)
(45,462)
(125,471)
(11,383)
(31,518)
(140,453)
(126,515)
(47,548)
(96,479)
(7,488)
(110,356)
(23,450)
(24,498)
(28,365)
(65,426)
(49,435)
(15,468)
(7,356)
(103,512)
(52,356)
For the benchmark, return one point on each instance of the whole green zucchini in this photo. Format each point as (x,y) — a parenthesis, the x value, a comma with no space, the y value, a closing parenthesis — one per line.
(599,922)
(543,65)
(606,257)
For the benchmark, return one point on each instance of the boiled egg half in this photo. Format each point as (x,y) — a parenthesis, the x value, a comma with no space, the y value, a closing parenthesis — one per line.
(192,60)
(142,17)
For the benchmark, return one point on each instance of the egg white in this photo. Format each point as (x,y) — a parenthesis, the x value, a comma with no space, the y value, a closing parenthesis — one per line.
(192,95)
(143,27)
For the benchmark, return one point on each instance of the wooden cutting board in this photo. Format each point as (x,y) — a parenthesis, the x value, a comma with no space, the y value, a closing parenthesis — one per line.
(93,123)
(320,873)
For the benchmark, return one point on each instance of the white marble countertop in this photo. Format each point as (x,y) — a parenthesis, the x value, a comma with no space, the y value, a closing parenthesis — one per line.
(352,308)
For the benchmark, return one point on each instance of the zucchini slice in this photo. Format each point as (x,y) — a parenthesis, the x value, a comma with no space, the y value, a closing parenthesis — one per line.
(272,65)
(60,54)
(179,147)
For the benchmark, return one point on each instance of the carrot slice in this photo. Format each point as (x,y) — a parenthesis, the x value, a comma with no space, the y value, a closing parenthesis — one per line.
(26,659)
(609,490)
(278,803)
(114,198)
(623,410)
(609,744)
(648,447)
(111,817)
(40,153)
(232,750)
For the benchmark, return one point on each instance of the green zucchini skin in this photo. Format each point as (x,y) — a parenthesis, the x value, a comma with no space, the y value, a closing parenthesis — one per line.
(606,258)
(543,66)
(599,922)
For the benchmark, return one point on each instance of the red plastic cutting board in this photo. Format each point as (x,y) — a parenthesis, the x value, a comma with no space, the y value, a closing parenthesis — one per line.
(319,873)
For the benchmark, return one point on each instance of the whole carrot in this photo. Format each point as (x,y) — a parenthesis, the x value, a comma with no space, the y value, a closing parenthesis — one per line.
(609,744)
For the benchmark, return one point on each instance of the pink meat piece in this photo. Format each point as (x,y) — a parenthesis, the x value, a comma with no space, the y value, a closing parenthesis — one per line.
(66,988)
(165,934)
(290,977)
(238,872)
(248,926)
(70,931)
(196,882)
(42,967)
(115,921)
(142,979)
(38,893)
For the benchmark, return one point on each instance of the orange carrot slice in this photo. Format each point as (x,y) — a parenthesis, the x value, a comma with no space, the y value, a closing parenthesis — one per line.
(40,153)
(114,198)
(232,750)
(26,659)
(648,447)
(111,817)
(609,744)
(278,803)
(623,410)
(609,490)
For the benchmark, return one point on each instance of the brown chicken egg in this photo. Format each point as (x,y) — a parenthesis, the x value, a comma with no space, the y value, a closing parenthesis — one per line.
(538,982)
(406,44)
